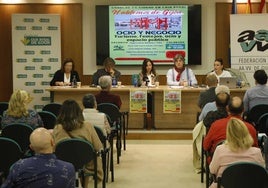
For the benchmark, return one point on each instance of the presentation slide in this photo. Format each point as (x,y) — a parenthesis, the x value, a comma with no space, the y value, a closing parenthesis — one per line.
(157,32)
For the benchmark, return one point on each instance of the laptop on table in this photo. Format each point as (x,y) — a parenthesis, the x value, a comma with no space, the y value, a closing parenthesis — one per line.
(228,81)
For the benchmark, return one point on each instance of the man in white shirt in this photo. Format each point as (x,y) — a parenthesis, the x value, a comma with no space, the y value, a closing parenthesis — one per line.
(93,116)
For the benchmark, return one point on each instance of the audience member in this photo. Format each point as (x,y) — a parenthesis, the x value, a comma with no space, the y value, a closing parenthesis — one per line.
(219,69)
(217,131)
(180,73)
(18,111)
(257,94)
(71,124)
(66,74)
(237,148)
(148,74)
(222,100)
(209,95)
(93,116)
(211,106)
(105,96)
(109,70)
(43,169)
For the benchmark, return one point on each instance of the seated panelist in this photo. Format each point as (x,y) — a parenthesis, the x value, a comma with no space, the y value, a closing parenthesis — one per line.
(148,74)
(108,70)
(219,69)
(66,74)
(180,73)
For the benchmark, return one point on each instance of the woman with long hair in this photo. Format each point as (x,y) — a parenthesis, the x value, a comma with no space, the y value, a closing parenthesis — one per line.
(70,124)
(237,148)
(148,74)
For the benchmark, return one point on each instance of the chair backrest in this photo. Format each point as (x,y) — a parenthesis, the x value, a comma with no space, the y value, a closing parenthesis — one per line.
(76,151)
(244,174)
(11,152)
(3,107)
(111,110)
(256,112)
(101,136)
(20,133)
(53,108)
(48,118)
(262,124)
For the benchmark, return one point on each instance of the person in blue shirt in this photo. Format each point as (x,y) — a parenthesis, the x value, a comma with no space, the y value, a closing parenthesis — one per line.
(43,169)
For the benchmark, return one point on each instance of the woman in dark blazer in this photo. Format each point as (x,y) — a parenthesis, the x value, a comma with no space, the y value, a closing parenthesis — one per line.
(65,75)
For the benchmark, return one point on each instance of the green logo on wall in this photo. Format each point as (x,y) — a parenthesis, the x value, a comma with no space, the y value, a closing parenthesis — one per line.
(20,27)
(45,52)
(45,98)
(29,52)
(38,91)
(36,41)
(29,68)
(52,28)
(44,20)
(21,60)
(37,28)
(45,67)
(38,76)
(21,75)
(51,75)
(53,60)
(44,83)
(37,60)
(28,20)
(30,83)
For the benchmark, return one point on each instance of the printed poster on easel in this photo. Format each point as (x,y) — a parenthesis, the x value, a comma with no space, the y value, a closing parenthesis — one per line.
(172,101)
(138,101)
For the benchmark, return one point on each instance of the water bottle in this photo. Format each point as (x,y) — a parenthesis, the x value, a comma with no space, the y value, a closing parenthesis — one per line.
(74,82)
(114,82)
(135,80)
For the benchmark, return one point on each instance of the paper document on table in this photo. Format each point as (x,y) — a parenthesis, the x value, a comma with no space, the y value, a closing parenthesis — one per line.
(176,87)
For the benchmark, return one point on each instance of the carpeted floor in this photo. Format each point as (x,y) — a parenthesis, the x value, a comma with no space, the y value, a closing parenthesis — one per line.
(156,164)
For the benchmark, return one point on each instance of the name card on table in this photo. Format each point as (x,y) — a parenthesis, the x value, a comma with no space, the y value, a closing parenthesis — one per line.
(138,101)
(172,101)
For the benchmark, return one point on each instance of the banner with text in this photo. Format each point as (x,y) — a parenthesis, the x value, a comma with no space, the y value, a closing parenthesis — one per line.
(158,32)
(138,101)
(172,101)
(249,43)
(36,49)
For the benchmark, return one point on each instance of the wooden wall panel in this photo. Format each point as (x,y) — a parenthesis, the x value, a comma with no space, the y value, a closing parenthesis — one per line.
(71,37)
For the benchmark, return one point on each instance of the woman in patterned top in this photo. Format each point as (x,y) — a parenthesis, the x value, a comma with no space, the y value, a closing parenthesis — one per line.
(18,111)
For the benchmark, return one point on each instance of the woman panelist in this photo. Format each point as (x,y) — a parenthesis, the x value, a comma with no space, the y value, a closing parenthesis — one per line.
(180,73)
(219,69)
(66,74)
(148,73)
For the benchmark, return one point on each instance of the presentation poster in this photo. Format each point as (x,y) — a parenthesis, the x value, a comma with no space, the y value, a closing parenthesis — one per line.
(138,101)
(158,32)
(172,101)
(36,50)
(249,43)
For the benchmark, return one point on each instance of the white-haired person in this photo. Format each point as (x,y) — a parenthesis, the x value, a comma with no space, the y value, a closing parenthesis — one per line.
(180,73)
(18,111)
(237,148)
(105,96)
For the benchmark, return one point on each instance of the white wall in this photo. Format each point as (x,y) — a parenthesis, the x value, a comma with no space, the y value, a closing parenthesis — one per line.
(89,46)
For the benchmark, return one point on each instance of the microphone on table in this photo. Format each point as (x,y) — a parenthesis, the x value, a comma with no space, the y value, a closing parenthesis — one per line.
(146,80)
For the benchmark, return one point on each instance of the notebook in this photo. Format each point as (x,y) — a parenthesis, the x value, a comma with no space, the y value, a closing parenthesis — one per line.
(228,81)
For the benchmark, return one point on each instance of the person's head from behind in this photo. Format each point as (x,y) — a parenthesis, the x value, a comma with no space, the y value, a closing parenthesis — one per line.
(41,141)
(235,106)
(222,89)
(148,67)
(18,103)
(211,80)
(222,100)
(89,101)
(218,65)
(179,61)
(105,82)
(237,135)
(109,64)
(67,65)
(260,77)
(70,116)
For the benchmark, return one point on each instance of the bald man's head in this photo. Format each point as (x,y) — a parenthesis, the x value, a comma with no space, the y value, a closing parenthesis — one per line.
(235,106)
(41,141)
